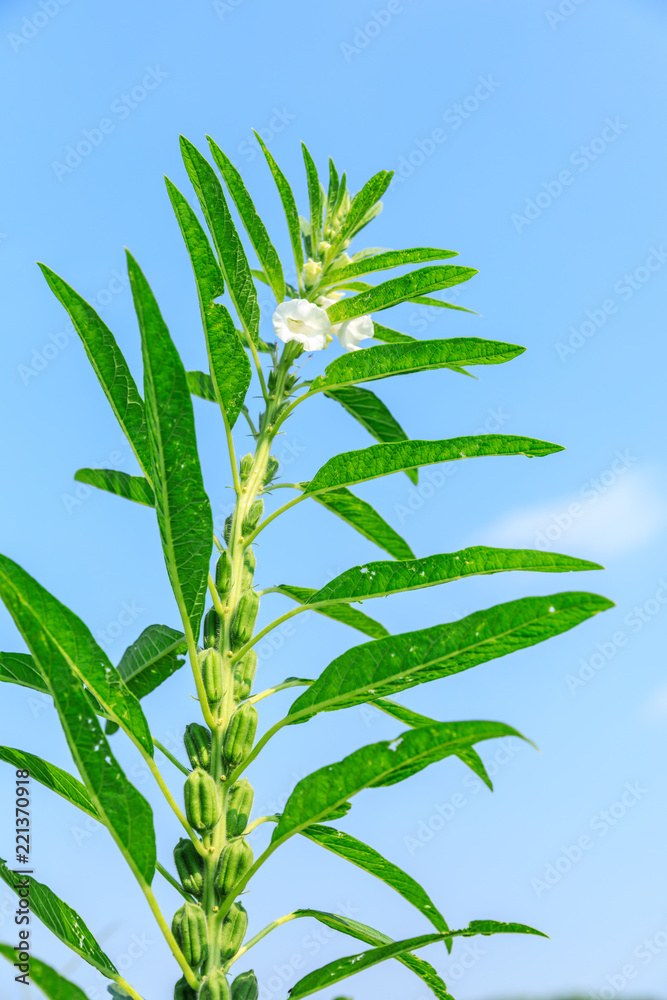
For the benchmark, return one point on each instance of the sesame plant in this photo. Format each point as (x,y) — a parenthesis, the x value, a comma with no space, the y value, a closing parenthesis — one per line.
(329,305)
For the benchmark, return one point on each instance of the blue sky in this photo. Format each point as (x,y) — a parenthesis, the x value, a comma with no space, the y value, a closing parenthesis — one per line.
(528,137)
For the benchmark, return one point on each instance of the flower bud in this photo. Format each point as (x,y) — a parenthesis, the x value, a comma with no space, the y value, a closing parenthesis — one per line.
(244,675)
(272,467)
(190,867)
(240,735)
(201,800)
(249,564)
(212,629)
(253,516)
(243,624)
(312,272)
(210,664)
(239,807)
(214,987)
(197,740)
(245,466)
(189,929)
(236,859)
(245,987)
(234,929)
(223,575)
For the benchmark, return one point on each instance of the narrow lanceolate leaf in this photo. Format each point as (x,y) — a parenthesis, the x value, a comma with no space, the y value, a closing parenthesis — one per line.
(380,668)
(183,509)
(262,245)
(61,920)
(67,654)
(289,205)
(57,638)
(369,860)
(366,520)
(314,197)
(378,765)
(233,261)
(21,669)
(389,336)
(228,361)
(425,300)
(342,613)
(383,261)
(51,776)
(109,366)
(411,357)
(121,484)
(156,655)
(383,459)
(379,579)
(365,200)
(362,932)
(51,983)
(332,194)
(364,406)
(397,290)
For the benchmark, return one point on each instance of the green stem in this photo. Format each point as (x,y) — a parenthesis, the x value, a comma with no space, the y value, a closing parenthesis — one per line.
(169,937)
(171,800)
(299,682)
(172,881)
(126,986)
(272,517)
(257,749)
(258,822)
(269,628)
(171,757)
(258,937)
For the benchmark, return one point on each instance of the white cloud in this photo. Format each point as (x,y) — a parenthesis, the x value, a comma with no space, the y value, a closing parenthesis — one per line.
(598,520)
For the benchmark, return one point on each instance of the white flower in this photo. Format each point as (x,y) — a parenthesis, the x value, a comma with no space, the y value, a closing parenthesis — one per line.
(303,321)
(328,300)
(353,330)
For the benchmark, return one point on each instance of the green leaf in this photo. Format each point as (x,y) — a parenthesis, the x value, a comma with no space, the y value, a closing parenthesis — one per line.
(61,920)
(343,613)
(57,637)
(289,205)
(156,655)
(383,261)
(51,776)
(375,766)
(425,300)
(389,336)
(201,384)
(121,484)
(385,666)
(262,245)
(314,199)
(365,519)
(379,579)
(362,932)
(364,201)
(411,357)
(369,860)
(233,261)
(364,406)
(109,366)
(50,982)
(397,290)
(20,668)
(183,509)
(383,459)
(228,362)
(332,195)
(67,655)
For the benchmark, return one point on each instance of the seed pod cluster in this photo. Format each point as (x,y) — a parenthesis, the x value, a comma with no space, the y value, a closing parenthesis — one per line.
(239,807)
(240,735)
(189,929)
(197,740)
(214,987)
(210,664)
(201,800)
(190,867)
(243,624)
(235,860)
(234,929)
(245,986)
(244,675)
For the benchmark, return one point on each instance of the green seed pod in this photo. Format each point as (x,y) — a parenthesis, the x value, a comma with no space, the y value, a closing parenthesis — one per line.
(239,807)
(245,987)
(234,928)
(183,991)
(244,675)
(212,629)
(214,987)
(190,867)
(197,740)
(235,860)
(223,575)
(249,564)
(189,929)
(245,466)
(272,467)
(240,735)
(201,800)
(210,664)
(253,516)
(227,530)
(245,618)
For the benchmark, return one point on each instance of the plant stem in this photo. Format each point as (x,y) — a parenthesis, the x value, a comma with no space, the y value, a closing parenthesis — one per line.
(172,881)
(170,757)
(126,986)
(169,937)
(258,937)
